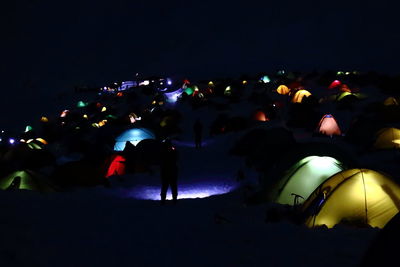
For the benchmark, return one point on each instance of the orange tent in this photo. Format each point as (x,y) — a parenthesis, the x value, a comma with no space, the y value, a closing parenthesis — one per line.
(328,126)
(299,95)
(260,116)
(283,90)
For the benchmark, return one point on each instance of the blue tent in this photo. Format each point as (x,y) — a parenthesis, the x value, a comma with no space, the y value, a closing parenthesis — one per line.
(134,136)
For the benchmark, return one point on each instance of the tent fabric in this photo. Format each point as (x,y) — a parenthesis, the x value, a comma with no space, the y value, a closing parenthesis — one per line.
(29,180)
(334,84)
(260,116)
(116,166)
(299,96)
(387,138)
(328,126)
(133,136)
(304,177)
(283,90)
(391,101)
(355,196)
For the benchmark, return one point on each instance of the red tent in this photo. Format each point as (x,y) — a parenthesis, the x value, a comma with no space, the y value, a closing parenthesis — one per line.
(116,165)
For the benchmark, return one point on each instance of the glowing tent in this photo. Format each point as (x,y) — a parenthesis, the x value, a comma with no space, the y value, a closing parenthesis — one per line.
(391,101)
(299,96)
(116,166)
(134,136)
(387,138)
(304,177)
(334,84)
(328,126)
(283,90)
(27,180)
(356,196)
(260,116)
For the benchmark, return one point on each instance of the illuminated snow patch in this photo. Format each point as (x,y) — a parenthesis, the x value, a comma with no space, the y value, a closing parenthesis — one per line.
(181,143)
(185,191)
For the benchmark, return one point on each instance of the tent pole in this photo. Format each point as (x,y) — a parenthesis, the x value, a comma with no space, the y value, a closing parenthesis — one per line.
(365,197)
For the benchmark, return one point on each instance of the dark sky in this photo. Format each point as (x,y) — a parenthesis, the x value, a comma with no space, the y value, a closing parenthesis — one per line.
(50,46)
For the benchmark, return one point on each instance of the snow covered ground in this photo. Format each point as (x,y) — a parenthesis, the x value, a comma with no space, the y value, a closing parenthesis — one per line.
(111,227)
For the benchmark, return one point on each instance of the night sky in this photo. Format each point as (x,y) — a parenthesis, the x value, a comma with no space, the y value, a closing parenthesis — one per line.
(50,46)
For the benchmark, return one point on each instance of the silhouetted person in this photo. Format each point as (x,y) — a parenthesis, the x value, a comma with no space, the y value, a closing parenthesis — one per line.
(198,130)
(169,171)
(15,184)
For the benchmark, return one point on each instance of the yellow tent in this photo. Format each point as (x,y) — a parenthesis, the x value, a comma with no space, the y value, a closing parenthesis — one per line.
(299,95)
(283,90)
(390,101)
(328,126)
(355,196)
(387,138)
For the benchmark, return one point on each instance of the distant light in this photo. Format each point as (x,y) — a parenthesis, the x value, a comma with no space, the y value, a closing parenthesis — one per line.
(1,139)
(169,82)
(347,73)
(64,113)
(244,82)
(41,140)
(210,83)
(22,140)
(28,128)
(265,79)
(145,82)
(44,119)
(85,116)
(103,109)
(11,141)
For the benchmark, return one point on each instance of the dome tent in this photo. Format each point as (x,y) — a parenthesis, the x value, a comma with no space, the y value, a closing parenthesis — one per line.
(299,96)
(390,101)
(283,90)
(115,165)
(133,136)
(304,177)
(387,138)
(27,180)
(355,196)
(328,126)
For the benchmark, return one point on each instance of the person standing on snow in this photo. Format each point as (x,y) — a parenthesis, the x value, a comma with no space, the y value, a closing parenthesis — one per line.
(198,130)
(169,171)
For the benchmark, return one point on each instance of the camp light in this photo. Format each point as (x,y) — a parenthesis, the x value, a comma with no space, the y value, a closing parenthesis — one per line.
(41,140)
(64,113)
(44,119)
(265,79)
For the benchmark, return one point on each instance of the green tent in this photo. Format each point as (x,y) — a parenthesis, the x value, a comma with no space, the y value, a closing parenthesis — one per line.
(27,180)
(304,177)
(189,91)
